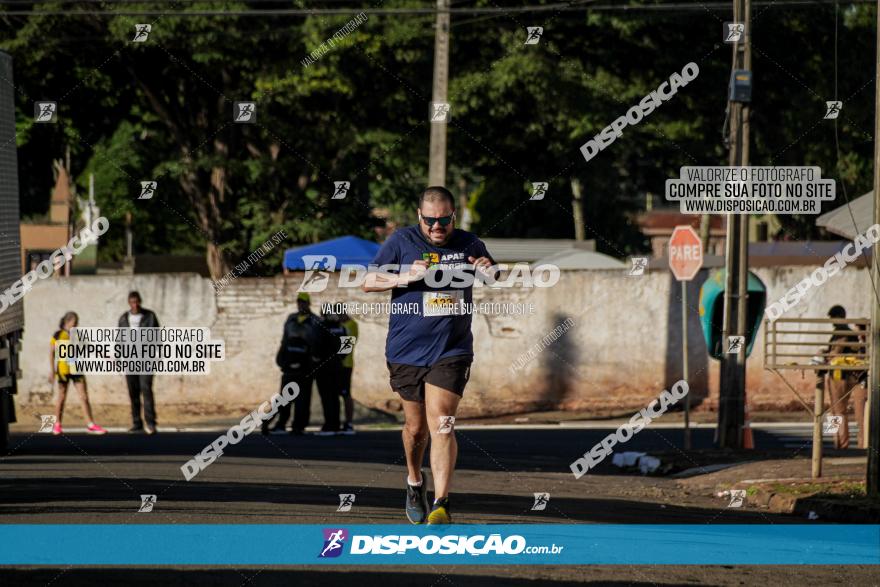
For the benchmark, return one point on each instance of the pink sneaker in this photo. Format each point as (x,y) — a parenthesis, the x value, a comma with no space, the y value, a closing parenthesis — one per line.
(95,429)
(56,429)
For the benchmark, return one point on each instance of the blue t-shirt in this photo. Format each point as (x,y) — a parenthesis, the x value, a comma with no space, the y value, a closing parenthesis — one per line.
(425,336)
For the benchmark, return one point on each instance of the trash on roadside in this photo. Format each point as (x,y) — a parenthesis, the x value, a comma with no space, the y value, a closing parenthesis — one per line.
(626,459)
(812,515)
(644,462)
(648,464)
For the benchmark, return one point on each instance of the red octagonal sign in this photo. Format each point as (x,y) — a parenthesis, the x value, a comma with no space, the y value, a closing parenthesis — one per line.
(685,253)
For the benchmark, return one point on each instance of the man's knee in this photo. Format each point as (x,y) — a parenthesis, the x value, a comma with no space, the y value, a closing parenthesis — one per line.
(415,429)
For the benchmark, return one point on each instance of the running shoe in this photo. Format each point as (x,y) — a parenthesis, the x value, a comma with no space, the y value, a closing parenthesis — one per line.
(150,430)
(95,429)
(440,513)
(56,429)
(347,429)
(417,503)
(327,432)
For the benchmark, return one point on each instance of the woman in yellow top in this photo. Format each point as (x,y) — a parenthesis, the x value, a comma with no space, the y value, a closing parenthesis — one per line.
(63,372)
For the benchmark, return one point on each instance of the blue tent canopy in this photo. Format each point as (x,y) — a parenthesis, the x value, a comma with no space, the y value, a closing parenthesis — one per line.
(347,250)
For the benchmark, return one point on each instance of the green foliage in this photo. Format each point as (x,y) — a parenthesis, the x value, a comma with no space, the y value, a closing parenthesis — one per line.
(162,110)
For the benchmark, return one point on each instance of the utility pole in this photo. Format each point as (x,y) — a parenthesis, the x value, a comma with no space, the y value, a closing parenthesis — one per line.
(731,401)
(705,225)
(577,208)
(873,476)
(437,163)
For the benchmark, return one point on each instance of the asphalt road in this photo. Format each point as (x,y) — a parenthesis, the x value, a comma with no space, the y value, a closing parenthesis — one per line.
(286,479)
(77,478)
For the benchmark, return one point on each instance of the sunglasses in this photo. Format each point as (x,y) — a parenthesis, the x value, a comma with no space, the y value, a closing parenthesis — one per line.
(443,220)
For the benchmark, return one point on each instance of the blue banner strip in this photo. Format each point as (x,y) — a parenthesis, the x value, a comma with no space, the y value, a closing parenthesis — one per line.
(525,544)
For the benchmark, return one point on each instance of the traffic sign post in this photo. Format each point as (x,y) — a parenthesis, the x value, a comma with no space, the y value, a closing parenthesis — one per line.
(685,260)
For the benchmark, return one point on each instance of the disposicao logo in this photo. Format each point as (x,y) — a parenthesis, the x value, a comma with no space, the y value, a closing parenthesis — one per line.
(334,540)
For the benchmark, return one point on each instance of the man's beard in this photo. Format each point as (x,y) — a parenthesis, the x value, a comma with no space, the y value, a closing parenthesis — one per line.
(430,238)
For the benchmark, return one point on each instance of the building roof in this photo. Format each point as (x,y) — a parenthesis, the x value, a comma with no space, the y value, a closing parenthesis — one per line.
(840,222)
(581,259)
(529,250)
(658,222)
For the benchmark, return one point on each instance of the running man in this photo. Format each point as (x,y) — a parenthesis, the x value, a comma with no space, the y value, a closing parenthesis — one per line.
(429,353)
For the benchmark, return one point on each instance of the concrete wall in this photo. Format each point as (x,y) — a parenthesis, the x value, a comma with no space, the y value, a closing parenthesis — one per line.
(624,345)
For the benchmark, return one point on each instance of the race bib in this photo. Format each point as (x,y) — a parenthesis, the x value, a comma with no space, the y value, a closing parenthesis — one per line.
(442,303)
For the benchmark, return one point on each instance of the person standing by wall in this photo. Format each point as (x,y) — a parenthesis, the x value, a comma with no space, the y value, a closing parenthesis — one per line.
(140,385)
(351,330)
(839,382)
(63,373)
(295,359)
(328,371)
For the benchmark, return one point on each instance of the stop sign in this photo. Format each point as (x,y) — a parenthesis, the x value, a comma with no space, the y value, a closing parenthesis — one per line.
(685,253)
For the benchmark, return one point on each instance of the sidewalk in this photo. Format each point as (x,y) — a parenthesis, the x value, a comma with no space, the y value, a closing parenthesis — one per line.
(182,417)
(785,486)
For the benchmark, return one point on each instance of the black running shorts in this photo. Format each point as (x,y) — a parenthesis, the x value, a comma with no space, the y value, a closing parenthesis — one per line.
(451,373)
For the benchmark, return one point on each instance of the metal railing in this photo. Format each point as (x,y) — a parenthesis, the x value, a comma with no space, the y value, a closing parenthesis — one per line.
(801,344)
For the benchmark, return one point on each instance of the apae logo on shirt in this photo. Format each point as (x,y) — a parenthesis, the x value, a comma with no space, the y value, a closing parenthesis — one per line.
(431,258)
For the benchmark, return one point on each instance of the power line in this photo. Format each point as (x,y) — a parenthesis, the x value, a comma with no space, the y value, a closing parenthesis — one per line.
(669,7)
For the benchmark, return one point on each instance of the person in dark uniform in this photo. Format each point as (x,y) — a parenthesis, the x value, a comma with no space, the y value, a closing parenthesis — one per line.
(328,371)
(295,358)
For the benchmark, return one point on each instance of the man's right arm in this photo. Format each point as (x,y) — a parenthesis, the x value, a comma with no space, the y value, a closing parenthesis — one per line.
(383,281)
(384,273)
